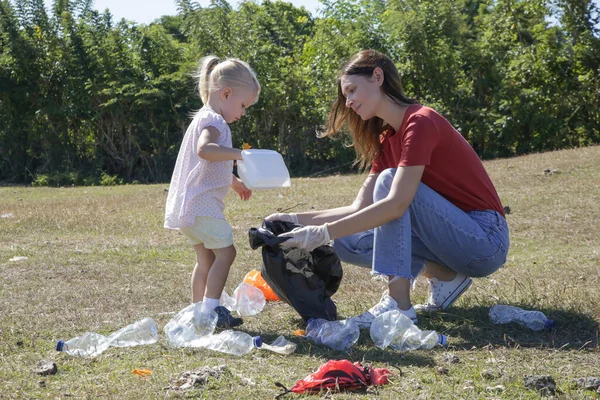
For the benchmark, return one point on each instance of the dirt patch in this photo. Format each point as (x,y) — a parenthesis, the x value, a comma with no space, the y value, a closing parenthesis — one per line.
(542,383)
(588,383)
(44,368)
(193,379)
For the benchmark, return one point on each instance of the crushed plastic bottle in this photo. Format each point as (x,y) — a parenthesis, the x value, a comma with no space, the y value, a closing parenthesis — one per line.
(227,301)
(534,320)
(249,300)
(92,344)
(397,331)
(339,335)
(231,342)
(189,324)
(281,346)
(139,333)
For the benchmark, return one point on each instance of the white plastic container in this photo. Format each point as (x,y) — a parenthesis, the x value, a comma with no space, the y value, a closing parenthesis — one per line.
(263,169)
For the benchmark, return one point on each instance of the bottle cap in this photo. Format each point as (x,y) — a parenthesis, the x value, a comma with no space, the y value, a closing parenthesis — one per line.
(60,345)
(257,341)
(442,340)
(549,324)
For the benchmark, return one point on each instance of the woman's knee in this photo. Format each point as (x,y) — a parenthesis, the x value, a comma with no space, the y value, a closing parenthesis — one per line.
(355,249)
(383,184)
(482,269)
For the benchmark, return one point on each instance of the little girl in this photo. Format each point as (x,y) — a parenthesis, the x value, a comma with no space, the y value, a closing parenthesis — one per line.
(203,175)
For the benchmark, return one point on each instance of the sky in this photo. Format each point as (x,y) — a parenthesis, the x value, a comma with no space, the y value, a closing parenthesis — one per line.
(146,11)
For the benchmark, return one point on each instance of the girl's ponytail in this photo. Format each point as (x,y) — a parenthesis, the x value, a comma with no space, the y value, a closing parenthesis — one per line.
(207,64)
(214,73)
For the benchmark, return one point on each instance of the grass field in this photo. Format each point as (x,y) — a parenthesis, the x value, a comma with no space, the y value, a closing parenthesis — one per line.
(99,259)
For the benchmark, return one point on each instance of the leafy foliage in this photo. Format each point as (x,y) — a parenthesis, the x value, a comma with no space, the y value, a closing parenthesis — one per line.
(82,92)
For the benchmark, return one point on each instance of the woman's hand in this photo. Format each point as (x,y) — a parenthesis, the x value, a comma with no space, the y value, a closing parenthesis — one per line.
(238,186)
(293,218)
(308,237)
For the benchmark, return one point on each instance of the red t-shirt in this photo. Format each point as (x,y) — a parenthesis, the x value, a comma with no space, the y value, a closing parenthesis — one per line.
(452,168)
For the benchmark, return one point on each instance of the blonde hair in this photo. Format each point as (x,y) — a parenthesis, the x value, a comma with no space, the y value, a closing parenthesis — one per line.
(214,74)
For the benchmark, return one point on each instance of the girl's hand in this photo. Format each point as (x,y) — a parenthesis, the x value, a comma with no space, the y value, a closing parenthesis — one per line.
(238,186)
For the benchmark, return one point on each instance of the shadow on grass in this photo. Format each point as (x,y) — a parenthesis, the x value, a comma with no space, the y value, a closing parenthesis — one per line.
(472,327)
(363,350)
(466,328)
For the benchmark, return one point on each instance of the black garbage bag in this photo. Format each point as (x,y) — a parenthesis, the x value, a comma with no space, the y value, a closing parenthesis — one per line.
(305,280)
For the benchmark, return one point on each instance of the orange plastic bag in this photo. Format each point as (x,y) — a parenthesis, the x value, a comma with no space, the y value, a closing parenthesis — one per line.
(255,279)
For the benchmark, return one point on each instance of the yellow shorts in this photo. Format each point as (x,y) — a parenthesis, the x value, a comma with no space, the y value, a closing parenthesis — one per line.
(213,233)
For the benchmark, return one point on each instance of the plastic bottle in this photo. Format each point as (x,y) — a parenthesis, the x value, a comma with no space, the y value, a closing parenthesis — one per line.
(230,342)
(534,320)
(281,346)
(91,344)
(139,333)
(397,331)
(416,339)
(189,324)
(339,335)
(227,301)
(249,300)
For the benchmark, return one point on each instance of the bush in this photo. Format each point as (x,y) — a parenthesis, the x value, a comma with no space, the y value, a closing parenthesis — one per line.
(108,180)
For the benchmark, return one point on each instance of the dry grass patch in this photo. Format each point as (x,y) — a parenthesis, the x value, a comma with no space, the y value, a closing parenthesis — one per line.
(98,259)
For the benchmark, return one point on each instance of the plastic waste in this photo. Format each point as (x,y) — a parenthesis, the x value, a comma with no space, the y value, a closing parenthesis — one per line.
(239,343)
(263,169)
(281,346)
(534,320)
(255,279)
(249,300)
(230,342)
(306,281)
(91,344)
(189,324)
(339,335)
(227,301)
(397,331)
(142,372)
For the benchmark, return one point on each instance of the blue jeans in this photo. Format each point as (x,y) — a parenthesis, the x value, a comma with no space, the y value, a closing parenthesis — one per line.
(472,243)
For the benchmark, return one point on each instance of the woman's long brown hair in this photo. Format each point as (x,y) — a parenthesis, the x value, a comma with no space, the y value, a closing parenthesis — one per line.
(366,134)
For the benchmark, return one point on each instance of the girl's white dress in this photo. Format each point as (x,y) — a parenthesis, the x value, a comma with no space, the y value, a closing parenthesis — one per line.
(198,186)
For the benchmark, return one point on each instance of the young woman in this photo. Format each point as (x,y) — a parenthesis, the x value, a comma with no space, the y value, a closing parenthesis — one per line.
(427,202)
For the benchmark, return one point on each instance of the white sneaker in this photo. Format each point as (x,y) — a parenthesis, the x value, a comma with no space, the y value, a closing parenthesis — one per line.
(442,294)
(387,303)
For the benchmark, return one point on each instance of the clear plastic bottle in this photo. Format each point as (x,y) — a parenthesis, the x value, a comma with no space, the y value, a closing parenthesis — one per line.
(397,331)
(249,300)
(227,301)
(339,335)
(91,344)
(281,346)
(139,333)
(189,324)
(534,320)
(416,339)
(230,342)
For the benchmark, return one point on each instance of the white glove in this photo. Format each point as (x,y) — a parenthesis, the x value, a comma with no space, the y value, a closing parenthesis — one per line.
(282,217)
(308,237)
